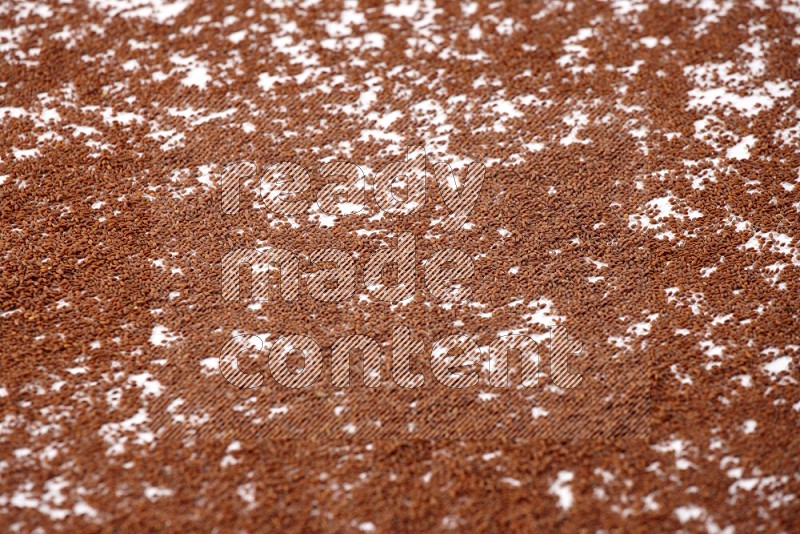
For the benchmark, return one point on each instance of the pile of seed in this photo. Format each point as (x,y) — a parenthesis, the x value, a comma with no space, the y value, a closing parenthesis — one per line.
(641,190)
